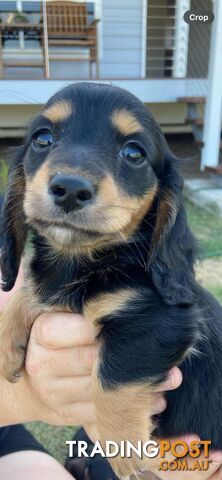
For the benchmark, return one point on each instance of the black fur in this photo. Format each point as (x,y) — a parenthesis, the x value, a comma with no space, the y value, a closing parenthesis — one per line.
(13,226)
(171,312)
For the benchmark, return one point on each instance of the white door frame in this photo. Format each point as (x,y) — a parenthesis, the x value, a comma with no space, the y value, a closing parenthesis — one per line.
(213,108)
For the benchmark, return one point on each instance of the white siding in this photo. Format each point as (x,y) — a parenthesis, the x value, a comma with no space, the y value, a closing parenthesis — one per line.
(122,38)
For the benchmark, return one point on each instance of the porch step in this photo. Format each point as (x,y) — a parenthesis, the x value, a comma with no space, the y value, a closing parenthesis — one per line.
(195,117)
(205,192)
(195,107)
(191,100)
(215,170)
(195,121)
(201,143)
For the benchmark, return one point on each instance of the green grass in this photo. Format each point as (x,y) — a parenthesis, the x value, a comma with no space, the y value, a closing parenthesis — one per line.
(3,174)
(207,227)
(216,291)
(53,438)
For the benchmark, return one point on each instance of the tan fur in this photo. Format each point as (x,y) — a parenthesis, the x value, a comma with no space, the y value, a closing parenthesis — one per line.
(115,214)
(166,216)
(125,122)
(119,211)
(59,111)
(145,206)
(123,413)
(16,320)
(37,199)
(14,204)
(107,304)
(39,182)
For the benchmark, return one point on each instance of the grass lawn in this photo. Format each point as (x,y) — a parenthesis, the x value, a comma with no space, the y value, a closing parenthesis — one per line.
(207,227)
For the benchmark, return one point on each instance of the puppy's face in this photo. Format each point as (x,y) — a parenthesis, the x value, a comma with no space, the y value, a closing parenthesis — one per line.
(90,164)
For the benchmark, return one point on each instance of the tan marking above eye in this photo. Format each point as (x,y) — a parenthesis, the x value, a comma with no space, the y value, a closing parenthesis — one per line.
(125,122)
(59,111)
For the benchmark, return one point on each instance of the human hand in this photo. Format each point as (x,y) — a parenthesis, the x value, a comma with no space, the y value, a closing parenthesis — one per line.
(60,356)
(213,462)
(57,385)
(213,473)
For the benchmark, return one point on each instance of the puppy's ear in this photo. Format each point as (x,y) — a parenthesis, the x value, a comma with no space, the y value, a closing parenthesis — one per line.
(173,246)
(13,227)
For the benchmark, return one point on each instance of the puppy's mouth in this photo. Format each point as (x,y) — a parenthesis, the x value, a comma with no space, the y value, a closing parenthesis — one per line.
(64,227)
(65,236)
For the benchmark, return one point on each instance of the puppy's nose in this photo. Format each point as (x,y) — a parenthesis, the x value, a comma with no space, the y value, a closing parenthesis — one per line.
(71,193)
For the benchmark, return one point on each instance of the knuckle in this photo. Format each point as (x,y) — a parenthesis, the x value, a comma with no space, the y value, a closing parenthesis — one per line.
(44,330)
(162,404)
(30,366)
(87,357)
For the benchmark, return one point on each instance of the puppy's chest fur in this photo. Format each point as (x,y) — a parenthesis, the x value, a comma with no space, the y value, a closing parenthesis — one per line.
(70,282)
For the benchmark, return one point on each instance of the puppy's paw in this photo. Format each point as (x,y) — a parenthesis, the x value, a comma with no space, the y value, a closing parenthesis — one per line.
(127,468)
(12,351)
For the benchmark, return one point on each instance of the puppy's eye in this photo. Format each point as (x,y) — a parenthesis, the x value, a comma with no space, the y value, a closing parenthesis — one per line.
(43,139)
(133,153)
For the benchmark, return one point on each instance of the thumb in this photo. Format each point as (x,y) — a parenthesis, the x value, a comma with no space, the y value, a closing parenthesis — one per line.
(167,454)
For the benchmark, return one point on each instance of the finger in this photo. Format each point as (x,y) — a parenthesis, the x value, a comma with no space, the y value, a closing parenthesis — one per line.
(189,473)
(216,456)
(79,414)
(92,431)
(173,380)
(59,330)
(167,455)
(70,390)
(67,362)
(160,404)
(200,475)
(186,438)
(217,475)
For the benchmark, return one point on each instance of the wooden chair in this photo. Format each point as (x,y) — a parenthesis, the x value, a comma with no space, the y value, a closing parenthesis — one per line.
(67,25)
(10,30)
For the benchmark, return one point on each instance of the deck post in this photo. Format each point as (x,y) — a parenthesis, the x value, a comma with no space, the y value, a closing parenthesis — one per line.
(180,56)
(213,109)
(45,40)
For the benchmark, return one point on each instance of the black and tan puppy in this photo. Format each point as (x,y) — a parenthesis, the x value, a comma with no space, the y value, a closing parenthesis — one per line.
(96,185)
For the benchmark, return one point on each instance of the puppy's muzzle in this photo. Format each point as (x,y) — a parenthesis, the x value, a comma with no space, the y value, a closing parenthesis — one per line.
(71,192)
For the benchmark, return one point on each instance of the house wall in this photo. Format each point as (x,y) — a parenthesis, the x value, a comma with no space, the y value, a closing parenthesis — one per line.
(120,45)
(122,38)
(13,120)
